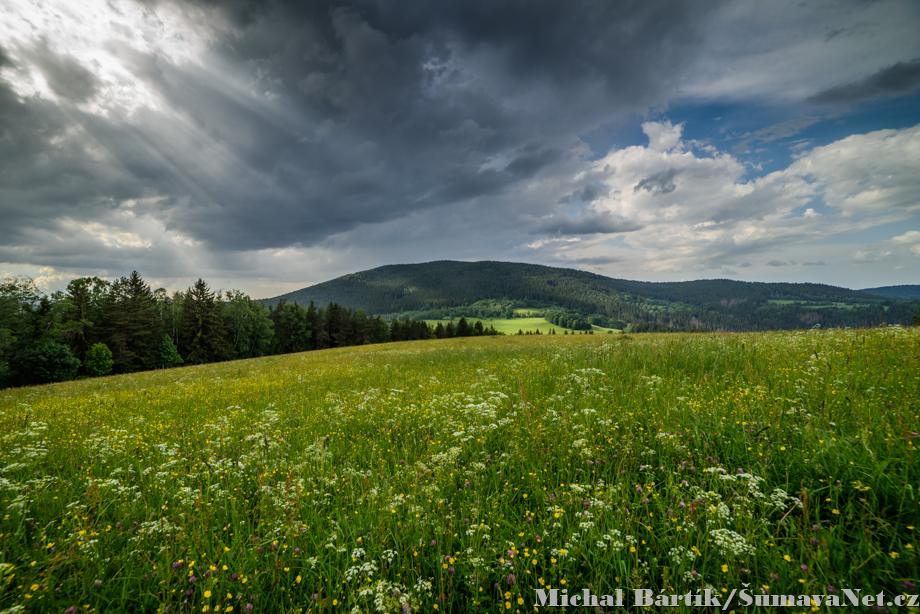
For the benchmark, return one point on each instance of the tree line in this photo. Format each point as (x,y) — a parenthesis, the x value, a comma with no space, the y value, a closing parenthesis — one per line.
(97,327)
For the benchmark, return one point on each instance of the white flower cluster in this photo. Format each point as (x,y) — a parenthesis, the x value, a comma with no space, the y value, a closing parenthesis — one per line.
(731,542)
(364,570)
(681,555)
(614,540)
(779,498)
(423,586)
(479,528)
(392,598)
(720,511)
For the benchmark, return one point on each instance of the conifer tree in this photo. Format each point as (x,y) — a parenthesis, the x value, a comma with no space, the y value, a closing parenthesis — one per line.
(280,339)
(362,328)
(396,330)
(85,298)
(335,325)
(132,324)
(381,330)
(315,322)
(321,332)
(203,333)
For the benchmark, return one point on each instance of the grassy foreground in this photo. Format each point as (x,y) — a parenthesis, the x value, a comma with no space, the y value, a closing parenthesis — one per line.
(460,475)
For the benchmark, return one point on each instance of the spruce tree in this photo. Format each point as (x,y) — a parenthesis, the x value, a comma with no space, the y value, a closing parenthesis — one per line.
(315,322)
(396,330)
(281,338)
(85,297)
(203,334)
(132,323)
(335,325)
(381,331)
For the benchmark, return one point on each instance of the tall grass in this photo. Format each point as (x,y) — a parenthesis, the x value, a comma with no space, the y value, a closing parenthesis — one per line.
(460,475)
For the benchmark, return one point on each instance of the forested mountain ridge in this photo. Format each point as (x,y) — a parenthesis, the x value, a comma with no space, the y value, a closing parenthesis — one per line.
(719,304)
(905,292)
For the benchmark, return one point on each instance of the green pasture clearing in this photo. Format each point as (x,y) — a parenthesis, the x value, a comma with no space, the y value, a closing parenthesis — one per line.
(510,326)
(462,475)
(523,311)
(807,305)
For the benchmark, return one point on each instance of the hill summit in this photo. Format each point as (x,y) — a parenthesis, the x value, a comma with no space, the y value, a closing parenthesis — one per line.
(448,288)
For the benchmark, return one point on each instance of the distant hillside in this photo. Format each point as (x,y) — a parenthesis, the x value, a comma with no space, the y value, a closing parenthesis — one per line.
(902,292)
(445,288)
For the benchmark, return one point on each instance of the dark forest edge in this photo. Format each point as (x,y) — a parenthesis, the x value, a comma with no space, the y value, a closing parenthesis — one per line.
(96,327)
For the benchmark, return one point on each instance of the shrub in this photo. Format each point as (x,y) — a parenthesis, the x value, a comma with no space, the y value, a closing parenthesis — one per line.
(49,362)
(169,354)
(99,360)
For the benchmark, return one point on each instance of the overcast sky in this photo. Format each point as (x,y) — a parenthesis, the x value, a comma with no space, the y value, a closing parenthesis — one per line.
(267,146)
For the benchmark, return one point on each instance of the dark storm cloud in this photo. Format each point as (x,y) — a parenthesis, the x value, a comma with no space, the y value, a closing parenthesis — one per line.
(899,78)
(43,174)
(66,77)
(597,260)
(592,223)
(659,183)
(589,193)
(305,120)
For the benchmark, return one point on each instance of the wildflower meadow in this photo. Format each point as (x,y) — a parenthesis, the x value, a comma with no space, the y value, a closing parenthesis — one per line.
(461,475)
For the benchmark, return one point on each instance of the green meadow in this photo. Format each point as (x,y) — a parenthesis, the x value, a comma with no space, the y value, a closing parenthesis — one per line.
(461,475)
